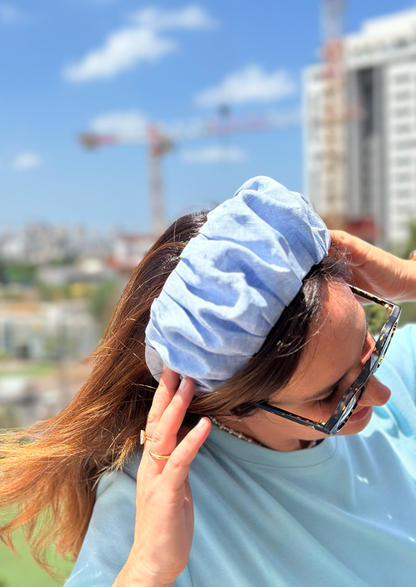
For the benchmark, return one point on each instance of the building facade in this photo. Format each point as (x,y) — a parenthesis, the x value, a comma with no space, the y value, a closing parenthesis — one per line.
(380,129)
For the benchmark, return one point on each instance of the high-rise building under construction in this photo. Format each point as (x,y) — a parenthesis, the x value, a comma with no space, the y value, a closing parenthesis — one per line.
(377,127)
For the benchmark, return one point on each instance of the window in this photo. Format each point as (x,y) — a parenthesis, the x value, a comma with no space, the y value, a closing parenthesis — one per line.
(403,177)
(399,96)
(402,161)
(405,145)
(399,112)
(402,128)
(402,78)
(403,194)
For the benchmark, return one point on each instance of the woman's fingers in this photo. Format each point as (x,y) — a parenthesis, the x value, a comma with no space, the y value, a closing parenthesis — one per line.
(164,435)
(376,270)
(177,468)
(169,381)
(354,246)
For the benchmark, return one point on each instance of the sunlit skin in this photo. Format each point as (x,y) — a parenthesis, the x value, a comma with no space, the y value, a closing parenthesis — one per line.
(339,345)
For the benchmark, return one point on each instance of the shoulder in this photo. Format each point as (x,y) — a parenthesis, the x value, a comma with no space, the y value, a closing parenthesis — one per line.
(110,534)
(123,479)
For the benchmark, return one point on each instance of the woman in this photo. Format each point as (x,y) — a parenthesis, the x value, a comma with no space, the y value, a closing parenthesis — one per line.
(301,481)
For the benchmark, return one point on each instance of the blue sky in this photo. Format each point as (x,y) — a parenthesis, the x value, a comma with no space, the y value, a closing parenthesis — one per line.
(69,66)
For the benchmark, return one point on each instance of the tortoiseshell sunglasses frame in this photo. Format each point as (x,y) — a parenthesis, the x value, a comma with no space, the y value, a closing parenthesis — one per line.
(349,400)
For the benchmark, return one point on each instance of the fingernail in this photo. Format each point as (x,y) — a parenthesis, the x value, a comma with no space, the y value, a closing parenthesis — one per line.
(182,384)
(201,423)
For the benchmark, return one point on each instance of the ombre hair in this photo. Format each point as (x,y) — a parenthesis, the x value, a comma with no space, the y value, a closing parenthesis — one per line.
(49,472)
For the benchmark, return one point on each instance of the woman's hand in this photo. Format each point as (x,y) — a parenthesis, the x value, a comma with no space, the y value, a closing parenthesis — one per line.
(376,271)
(164,509)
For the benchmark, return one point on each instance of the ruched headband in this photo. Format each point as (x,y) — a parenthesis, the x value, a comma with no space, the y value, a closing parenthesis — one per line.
(232,283)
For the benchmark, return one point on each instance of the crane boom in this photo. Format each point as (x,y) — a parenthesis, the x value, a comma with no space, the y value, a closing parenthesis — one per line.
(160,139)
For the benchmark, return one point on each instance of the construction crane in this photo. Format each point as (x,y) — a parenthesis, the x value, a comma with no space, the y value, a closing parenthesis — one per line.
(335,113)
(160,140)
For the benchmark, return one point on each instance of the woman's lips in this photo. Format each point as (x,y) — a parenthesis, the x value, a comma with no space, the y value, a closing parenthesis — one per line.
(360,414)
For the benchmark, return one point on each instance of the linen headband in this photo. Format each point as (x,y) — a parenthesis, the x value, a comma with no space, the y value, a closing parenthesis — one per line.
(232,283)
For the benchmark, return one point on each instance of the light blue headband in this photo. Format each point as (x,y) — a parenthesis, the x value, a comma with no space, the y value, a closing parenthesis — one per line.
(232,283)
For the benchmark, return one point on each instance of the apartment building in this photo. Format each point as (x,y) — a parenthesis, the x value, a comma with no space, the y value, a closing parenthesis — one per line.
(380,128)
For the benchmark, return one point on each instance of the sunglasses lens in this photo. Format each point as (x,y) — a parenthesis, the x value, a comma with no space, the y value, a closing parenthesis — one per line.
(348,410)
(386,346)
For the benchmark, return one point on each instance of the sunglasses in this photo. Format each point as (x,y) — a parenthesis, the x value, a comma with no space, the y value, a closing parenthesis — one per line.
(349,401)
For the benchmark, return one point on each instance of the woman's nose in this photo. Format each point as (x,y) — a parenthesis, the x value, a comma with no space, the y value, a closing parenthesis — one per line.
(375,393)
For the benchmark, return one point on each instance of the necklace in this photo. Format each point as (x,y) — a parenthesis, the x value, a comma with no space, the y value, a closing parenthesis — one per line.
(233,432)
(242,436)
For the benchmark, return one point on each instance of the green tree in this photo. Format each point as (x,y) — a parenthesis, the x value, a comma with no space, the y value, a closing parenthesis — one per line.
(403,250)
(103,300)
(17,273)
(411,241)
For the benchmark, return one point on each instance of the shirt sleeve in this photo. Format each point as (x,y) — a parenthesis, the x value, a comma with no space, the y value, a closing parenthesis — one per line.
(110,534)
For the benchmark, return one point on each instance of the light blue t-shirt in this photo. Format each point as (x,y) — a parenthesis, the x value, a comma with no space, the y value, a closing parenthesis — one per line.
(342,514)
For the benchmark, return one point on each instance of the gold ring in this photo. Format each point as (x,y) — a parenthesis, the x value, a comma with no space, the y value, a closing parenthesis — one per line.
(144,437)
(158,457)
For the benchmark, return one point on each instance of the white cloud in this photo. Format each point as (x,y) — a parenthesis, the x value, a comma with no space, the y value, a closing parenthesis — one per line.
(122,50)
(214,155)
(126,123)
(26,160)
(190,17)
(251,84)
(8,13)
(140,41)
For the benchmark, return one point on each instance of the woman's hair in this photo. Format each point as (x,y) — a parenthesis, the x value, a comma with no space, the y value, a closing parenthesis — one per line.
(49,471)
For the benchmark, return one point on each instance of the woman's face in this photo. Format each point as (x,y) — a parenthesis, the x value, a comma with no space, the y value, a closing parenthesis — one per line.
(337,350)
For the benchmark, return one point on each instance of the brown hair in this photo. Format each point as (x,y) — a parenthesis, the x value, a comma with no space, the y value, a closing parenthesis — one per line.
(50,470)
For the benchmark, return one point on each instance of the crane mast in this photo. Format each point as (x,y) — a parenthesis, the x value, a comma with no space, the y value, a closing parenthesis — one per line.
(334,113)
(159,145)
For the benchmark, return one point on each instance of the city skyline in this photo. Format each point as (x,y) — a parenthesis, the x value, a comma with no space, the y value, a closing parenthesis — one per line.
(115,65)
